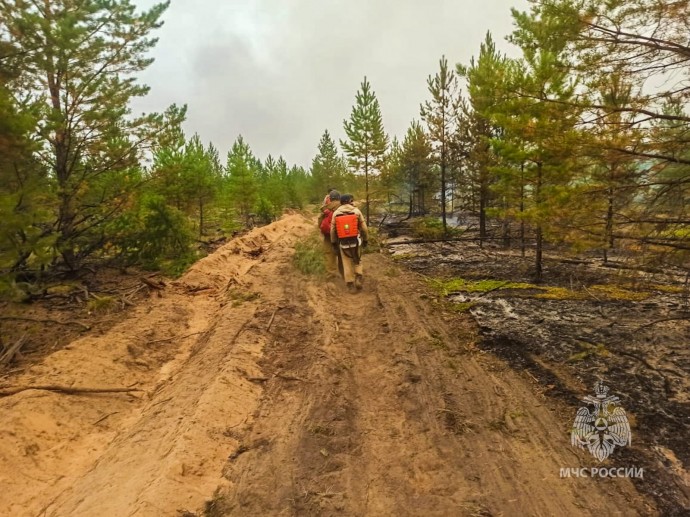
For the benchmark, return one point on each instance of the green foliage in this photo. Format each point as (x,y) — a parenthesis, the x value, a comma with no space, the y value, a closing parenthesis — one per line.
(431,228)
(239,296)
(447,286)
(328,169)
(309,257)
(78,71)
(477,130)
(154,235)
(440,115)
(411,166)
(589,350)
(367,141)
(101,305)
(241,183)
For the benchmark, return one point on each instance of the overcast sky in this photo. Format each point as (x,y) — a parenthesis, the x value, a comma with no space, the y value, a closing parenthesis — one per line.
(279,72)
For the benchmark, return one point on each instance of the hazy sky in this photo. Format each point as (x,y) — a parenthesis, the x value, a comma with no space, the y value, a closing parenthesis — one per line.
(279,72)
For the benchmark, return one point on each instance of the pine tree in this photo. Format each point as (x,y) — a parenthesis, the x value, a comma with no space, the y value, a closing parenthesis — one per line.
(613,39)
(367,141)
(242,185)
(416,168)
(440,116)
(201,175)
(81,59)
(328,168)
(26,198)
(538,132)
(477,129)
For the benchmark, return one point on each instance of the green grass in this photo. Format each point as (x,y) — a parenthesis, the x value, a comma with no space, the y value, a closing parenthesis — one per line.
(309,257)
(101,304)
(431,228)
(446,286)
(238,297)
(588,350)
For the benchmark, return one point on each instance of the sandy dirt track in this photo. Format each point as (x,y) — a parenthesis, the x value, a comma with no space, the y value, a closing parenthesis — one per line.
(264,392)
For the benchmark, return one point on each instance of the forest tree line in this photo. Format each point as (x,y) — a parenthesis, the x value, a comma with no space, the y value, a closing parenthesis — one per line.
(581,141)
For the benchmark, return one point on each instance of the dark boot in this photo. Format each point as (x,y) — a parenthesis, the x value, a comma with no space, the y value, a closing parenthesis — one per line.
(351,287)
(359,279)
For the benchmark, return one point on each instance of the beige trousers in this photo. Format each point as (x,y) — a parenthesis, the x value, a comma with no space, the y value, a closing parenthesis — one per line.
(350,268)
(330,254)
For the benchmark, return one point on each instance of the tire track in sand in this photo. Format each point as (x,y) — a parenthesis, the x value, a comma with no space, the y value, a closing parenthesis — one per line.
(391,412)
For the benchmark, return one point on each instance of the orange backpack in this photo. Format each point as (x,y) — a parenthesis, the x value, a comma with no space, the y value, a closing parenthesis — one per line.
(346,225)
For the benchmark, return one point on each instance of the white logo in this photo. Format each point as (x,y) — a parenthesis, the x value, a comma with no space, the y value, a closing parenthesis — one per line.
(603,428)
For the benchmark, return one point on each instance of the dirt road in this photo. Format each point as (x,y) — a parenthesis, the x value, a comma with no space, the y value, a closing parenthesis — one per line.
(265,392)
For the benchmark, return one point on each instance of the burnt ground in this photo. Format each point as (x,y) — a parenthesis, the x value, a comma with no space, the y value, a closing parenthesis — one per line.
(584,322)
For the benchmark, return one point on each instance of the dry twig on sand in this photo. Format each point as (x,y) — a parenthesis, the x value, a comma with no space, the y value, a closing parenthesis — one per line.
(36,320)
(68,390)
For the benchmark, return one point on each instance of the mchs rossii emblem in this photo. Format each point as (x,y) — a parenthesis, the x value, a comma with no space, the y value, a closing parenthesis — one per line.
(602,425)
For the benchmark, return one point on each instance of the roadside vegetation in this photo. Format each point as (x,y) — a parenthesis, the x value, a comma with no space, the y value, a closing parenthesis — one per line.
(563,145)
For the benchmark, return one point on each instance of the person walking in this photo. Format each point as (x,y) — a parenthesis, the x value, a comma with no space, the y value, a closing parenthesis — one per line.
(324,223)
(327,199)
(349,235)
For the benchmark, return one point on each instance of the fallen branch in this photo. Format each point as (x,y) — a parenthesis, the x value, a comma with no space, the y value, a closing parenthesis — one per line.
(104,417)
(151,284)
(34,320)
(678,318)
(12,350)
(270,322)
(68,390)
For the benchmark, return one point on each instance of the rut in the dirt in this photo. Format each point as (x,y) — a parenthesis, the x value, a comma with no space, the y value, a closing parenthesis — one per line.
(386,410)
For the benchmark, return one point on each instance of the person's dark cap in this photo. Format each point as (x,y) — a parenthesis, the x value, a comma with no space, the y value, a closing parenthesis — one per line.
(334,195)
(346,198)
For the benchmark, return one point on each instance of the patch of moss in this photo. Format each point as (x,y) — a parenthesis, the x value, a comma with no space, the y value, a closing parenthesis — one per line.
(612,292)
(238,297)
(61,288)
(445,287)
(461,307)
(673,289)
(561,293)
(403,256)
(101,304)
(589,349)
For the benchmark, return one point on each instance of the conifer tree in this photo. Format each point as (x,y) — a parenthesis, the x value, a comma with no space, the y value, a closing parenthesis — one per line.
(539,135)
(477,129)
(328,168)
(201,175)
(416,168)
(242,185)
(440,116)
(81,59)
(26,200)
(367,142)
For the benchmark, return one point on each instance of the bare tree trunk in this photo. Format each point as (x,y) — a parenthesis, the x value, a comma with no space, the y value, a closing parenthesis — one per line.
(538,254)
(522,209)
(201,217)
(366,184)
(608,236)
(443,189)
